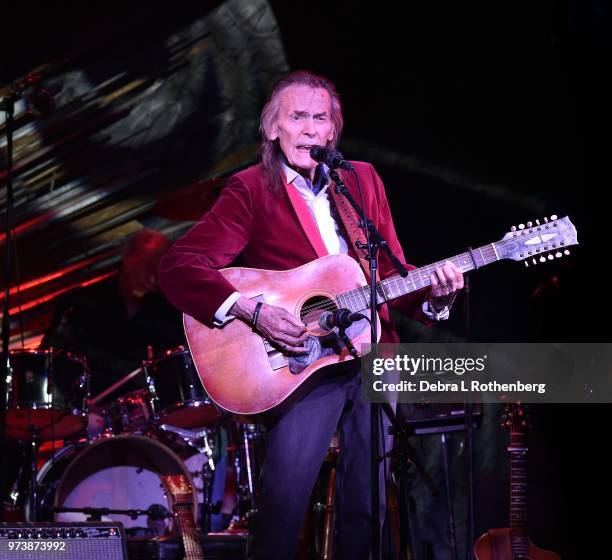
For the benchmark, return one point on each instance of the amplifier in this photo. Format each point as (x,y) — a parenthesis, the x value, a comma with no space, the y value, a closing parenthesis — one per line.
(68,541)
(434,418)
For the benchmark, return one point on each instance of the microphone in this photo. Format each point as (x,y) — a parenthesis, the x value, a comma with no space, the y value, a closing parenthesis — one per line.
(341,318)
(332,158)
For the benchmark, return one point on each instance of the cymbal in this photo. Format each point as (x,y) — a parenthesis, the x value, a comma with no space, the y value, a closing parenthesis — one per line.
(190,202)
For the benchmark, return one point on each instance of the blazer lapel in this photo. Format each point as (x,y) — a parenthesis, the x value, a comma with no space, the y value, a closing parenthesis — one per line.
(306,220)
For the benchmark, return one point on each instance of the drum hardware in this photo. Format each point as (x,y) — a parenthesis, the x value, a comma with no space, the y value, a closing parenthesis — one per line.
(317,532)
(12,500)
(249,433)
(33,471)
(155,511)
(243,438)
(191,437)
(199,440)
(46,491)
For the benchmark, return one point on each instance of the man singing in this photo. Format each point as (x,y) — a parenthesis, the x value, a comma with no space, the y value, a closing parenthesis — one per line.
(279,215)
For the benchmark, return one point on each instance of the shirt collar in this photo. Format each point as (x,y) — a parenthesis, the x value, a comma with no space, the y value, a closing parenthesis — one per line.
(295,178)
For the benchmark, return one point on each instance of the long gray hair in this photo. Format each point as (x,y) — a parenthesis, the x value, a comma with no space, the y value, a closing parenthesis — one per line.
(270,149)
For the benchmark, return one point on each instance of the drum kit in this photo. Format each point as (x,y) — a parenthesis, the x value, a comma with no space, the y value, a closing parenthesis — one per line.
(107,456)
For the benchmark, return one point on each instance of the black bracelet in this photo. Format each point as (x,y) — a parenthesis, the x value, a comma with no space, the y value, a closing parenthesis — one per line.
(256,313)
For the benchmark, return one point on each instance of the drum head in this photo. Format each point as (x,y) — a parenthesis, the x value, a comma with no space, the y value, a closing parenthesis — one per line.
(122,472)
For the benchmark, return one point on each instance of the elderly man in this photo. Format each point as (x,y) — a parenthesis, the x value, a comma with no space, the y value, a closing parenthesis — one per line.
(279,215)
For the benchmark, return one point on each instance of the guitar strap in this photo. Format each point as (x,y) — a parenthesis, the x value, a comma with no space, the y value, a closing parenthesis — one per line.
(347,215)
(350,220)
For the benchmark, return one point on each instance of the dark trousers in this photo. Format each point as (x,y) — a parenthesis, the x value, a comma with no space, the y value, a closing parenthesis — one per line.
(295,449)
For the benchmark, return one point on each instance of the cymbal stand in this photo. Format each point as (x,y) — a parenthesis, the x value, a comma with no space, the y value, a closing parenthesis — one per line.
(35,444)
(249,433)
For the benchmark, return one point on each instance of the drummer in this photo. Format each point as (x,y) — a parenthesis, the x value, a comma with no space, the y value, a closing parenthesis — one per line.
(114,323)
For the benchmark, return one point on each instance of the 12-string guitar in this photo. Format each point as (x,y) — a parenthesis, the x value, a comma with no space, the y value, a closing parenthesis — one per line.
(247,376)
(513,543)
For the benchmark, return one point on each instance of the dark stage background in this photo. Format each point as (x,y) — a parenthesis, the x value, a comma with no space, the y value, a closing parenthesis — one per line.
(478,116)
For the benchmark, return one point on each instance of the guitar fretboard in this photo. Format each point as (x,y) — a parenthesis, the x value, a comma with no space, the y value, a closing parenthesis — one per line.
(189,534)
(181,491)
(417,279)
(518,494)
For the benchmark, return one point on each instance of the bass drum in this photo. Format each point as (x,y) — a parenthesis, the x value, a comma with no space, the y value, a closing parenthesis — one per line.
(122,472)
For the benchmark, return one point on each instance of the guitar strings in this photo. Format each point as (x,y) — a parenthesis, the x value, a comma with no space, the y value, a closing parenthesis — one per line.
(486,251)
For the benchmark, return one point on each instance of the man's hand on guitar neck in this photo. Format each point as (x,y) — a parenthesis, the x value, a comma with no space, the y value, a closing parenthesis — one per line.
(274,323)
(446,281)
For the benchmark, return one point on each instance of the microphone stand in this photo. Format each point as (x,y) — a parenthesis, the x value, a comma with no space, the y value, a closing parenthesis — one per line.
(374,242)
(7,104)
(469,435)
(43,101)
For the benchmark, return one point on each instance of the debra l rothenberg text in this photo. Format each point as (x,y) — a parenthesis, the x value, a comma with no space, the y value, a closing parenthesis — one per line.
(462,386)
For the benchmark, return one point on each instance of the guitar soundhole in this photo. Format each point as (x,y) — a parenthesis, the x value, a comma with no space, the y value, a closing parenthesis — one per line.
(311,310)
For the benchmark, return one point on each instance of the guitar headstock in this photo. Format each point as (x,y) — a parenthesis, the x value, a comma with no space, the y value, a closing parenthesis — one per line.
(538,242)
(516,418)
(177,484)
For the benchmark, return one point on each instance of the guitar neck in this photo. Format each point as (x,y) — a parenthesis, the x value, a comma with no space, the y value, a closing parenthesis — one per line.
(181,491)
(417,279)
(189,534)
(518,493)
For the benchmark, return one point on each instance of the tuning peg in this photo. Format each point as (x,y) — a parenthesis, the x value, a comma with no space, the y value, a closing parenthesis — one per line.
(526,264)
(558,254)
(545,220)
(542,258)
(537,222)
(551,257)
(553,217)
(529,224)
(521,226)
(566,252)
(534,261)
(513,228)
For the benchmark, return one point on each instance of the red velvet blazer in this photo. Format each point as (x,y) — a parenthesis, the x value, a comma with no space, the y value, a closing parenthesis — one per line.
(260,225)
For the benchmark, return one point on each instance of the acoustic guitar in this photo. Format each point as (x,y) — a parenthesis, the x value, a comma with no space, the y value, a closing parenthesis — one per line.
(513,543)
(247,376)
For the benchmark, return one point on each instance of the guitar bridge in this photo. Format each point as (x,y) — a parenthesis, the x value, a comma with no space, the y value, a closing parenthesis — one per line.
(276,358)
